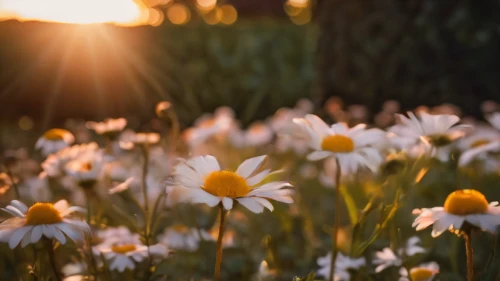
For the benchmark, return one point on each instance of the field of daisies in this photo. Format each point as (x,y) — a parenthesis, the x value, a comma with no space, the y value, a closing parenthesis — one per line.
(307,194)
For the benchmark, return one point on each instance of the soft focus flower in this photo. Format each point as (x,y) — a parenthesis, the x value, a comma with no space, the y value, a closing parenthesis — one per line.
(109,127)
(208,126)
(352,147)
(129,139)
(342,266)
(41,219)
(201,180)
(481,136)
(86,170)
(424,272)
(387,258)
(181,237)
(461,206)
(54,165)
(257,134)
(124,256)
(494,120)
(54,140)
(487,153)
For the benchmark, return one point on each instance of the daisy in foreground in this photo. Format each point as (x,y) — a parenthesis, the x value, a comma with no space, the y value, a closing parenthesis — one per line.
(201,180)
(41,219)
(342,266)
(423,272)
(464,211)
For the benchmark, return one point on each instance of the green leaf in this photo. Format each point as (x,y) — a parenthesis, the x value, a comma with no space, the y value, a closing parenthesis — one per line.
(352,209)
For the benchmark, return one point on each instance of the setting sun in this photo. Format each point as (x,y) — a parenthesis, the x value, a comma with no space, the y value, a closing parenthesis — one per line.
(119,12)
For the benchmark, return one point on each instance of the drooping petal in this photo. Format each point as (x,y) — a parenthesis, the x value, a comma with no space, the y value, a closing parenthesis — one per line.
(251,204)
(249,166)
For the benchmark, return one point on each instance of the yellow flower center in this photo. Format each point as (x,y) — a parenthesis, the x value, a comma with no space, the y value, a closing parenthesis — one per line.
(181,228)
(55,134)
(439,140)
(420,274)
(466,202)
(337,144)
(226,184)
(85,167)
(479,142)
(123,249)
(42,213)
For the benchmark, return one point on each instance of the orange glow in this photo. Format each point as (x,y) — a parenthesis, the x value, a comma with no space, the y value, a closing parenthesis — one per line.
(119,12)
(228,14)
(206,5)
(178,14)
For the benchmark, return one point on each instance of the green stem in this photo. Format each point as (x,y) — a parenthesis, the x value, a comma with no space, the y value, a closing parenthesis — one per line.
(147,222)
(14,185)
(52,259)
(336,222)
(470,255)
(218,257)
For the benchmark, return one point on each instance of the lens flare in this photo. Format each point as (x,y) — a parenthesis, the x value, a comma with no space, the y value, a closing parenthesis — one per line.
(119,12)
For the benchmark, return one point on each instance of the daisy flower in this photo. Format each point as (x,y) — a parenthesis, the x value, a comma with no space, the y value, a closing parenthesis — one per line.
(211,126)
(86,170)
(54,165)
(129,139)
(123,255)
(481,136)
(461,206)
(54,140)
(488,153)
(41,219)
(342,266)
(201,180)
(109,127)
(438,131)
(352,147)
(424,272)
(258,134)
(387,258)
(181,237)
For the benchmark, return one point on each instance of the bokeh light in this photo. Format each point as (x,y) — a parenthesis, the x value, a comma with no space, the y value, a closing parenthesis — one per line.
(228,14)
(178,14)
(206,5)
(298,3)
(26,123)
(119,12)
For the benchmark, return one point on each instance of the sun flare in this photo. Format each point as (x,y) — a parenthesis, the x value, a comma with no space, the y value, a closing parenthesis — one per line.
(119,12)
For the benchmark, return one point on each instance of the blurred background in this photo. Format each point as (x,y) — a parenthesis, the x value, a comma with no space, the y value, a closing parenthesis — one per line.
(95,59)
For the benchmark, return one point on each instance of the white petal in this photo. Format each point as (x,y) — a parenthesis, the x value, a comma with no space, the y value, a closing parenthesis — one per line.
(59,235)
(13,211)
(36,234)
(18,235)
(318,125)
(26,239)
(258,177)
(251,204)
(48,230)
(72,233)
(61,205)
(228,203)
(318,155)
(249,166)
(20,206)
(265,203)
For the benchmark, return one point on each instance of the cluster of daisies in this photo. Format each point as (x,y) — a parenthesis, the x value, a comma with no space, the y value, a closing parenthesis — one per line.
(123,185)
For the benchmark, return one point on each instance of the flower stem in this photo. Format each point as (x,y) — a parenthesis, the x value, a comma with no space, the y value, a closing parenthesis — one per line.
(14,184)
(470,255)
(52,259)
(147,220)
(336,222)
(88,197)
(218,258)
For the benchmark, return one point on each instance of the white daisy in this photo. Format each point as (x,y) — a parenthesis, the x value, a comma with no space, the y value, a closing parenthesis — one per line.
(55,163)
(129,139)
(461,206)
(201,180)
(352,147)
(342,265)
(438,131)
(181,237)
(124,255)
(41,219)
(257,134)
(209,126)
(487,153)
(424,272)
(86,170)
(387,258)
(109,127)
(482,135)
(54,140)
